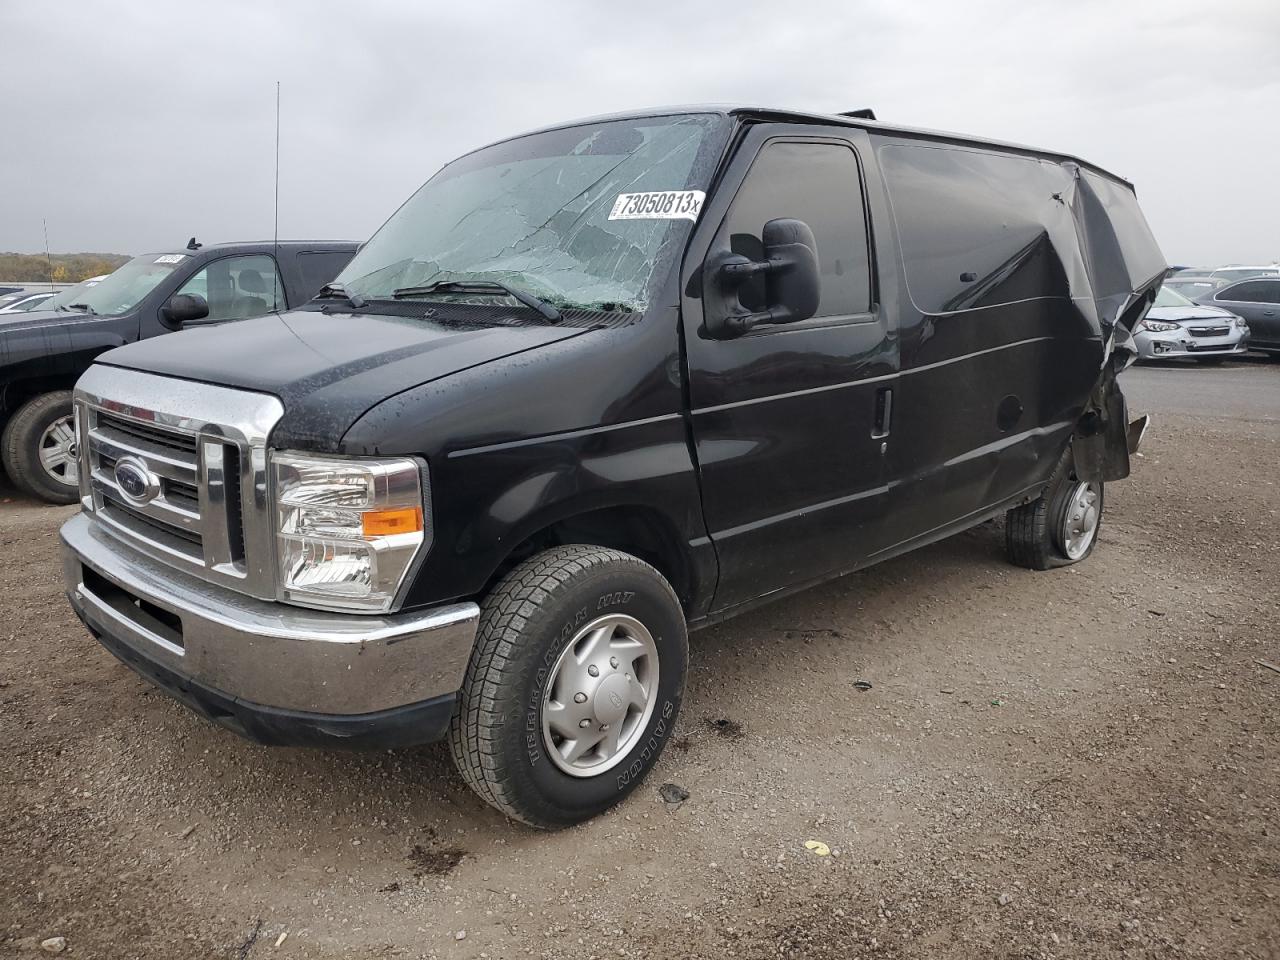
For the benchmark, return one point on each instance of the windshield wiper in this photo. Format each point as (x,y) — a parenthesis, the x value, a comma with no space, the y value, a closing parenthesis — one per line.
(82,306)
(330,290)
(481,286)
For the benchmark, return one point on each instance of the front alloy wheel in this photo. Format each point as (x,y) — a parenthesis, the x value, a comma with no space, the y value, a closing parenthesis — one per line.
(39,448)
(58,451)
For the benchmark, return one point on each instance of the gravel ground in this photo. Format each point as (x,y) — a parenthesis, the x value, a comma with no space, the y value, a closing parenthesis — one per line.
(1080,763)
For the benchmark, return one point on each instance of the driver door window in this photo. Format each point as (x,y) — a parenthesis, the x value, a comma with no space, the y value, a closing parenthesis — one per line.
(820,184)
(237,288)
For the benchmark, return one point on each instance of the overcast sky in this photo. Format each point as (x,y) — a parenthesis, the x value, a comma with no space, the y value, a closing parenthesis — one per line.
(131,126)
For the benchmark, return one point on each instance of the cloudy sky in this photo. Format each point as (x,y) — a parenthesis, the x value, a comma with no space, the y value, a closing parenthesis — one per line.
(132,125)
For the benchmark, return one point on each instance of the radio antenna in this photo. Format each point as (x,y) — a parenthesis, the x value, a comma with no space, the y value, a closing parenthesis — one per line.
(275,237)
(48,257)
(275,231)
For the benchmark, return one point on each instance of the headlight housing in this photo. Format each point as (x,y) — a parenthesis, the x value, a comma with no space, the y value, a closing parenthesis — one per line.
(1241,324)
(347,529)
(1158,326)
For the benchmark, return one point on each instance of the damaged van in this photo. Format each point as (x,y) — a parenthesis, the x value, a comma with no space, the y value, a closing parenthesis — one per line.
(589,389)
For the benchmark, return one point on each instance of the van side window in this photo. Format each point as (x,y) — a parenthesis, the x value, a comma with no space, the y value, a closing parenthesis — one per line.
(818,183)
(981,229)
(239,287)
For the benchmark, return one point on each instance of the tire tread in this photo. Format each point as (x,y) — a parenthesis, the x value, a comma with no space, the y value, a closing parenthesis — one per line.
(477,723)
(25,474)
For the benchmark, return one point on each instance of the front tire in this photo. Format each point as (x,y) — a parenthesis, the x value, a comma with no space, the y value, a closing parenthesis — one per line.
(573,687)
(39,448)
(1058,528)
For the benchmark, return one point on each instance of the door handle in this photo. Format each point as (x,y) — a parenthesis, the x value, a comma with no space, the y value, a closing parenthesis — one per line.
(884,413)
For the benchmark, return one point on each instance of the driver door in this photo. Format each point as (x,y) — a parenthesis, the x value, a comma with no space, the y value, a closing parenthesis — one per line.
(791,422)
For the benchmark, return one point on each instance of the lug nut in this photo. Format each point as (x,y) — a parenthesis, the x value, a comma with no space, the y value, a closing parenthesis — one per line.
(613,662)
(579,698)
(593,670)
(584,724)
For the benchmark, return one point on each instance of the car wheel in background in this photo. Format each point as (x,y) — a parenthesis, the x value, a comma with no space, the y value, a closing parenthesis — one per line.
(39,448)
(1059,527)
(573,687)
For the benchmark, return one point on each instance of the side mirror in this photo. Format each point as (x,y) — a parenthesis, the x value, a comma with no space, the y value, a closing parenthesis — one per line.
(791,279)
(185,308)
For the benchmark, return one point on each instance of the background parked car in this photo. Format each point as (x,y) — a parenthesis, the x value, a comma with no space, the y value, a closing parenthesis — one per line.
(1194,286)
(1257,300)
(25,302)
(1237,272)
(43,353)
(65,298)
(1176,327)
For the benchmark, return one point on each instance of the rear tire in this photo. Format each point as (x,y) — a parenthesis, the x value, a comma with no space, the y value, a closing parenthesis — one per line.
(39,450)
(1058,528)
(529,687)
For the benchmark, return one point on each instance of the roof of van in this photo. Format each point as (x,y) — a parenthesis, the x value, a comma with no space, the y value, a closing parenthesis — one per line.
(798,116)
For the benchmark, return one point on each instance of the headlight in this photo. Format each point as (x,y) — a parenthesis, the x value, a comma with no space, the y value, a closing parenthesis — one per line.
(1242,324)
(1157,326)
(347,529)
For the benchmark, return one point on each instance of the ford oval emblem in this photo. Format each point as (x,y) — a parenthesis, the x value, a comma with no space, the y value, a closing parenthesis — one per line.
(138,484)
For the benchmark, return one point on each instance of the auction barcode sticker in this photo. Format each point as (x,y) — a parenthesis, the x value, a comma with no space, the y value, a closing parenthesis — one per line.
(658,205)
(171,258)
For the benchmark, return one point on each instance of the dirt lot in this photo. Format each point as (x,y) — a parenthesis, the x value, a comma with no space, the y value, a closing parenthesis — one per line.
(1081,763)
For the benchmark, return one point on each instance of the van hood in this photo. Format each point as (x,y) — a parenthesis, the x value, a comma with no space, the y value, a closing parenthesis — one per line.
(329,368)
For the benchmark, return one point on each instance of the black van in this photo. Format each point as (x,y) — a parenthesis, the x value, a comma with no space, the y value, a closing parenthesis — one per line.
(43,352)
(591,387)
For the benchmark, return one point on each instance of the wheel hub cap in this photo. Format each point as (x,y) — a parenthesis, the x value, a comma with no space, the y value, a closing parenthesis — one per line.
(600,695)
(1080,524)
(58,451)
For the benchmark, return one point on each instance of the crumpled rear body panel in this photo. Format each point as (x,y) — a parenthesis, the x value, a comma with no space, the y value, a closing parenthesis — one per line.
(1041,260)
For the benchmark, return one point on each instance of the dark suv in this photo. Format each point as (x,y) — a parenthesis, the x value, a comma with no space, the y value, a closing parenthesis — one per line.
(43,352)
(591,387)
(1257,300)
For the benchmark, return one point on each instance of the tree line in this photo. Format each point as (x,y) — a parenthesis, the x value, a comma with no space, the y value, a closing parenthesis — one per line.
(58,267)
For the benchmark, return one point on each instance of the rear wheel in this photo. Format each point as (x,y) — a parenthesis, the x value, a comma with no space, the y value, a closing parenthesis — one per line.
(1060,526)
(39,448)
(573,687)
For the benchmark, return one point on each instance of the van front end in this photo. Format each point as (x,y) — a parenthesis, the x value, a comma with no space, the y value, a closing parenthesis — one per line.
(189,540)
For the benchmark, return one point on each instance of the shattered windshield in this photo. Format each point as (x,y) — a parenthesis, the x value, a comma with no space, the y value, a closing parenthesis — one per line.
(580,217)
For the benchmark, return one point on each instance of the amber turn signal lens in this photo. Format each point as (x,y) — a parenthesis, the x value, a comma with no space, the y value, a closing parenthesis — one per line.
(383,523)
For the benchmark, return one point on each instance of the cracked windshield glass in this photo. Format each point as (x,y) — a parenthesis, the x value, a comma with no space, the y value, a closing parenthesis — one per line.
(577,218)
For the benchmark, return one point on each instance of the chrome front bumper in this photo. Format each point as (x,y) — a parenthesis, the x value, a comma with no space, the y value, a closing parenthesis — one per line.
(258,654)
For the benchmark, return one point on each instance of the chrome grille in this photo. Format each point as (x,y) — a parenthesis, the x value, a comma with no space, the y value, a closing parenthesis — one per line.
(202,451)
(1210,331)
(170,520)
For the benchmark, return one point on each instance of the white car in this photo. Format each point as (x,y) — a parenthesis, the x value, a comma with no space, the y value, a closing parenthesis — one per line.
(1176,327)
(24,301)
(64,298)
(1237,272)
